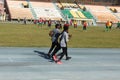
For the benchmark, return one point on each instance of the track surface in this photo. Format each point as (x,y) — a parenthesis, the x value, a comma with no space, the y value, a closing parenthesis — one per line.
(86,64)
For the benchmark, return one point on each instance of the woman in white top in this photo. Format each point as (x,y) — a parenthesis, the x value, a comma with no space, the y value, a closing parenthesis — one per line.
(63,43)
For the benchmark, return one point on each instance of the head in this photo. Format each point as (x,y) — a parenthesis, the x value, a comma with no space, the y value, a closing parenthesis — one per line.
(66,27)
(57,26)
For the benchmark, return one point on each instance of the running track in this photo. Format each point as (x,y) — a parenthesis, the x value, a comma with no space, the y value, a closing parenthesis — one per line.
(86,64)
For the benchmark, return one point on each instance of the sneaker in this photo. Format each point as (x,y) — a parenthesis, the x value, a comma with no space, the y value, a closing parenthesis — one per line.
(55,58)
(59,62)
(67,58)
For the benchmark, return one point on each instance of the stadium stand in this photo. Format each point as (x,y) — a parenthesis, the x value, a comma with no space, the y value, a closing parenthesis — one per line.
(59,5)
(77,14)
(67,13)
(42,4)
(46,10)
(93,2)
(64,9)
(47,13)
(117,10)
(115,7)
(20,13)
(101,13)
(73,5)
(81,15)
(41,0)
(1,7)
(87,14)
(17,9)
(73,12)
(2,13)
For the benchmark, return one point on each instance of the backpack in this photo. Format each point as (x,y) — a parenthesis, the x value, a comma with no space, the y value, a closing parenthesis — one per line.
(51,33)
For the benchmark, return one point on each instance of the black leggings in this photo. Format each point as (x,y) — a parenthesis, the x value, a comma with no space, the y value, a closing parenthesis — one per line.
(64,52)
(57,48)
(53,46)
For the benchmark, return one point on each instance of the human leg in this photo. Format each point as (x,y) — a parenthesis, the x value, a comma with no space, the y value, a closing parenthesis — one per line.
(57,48)
(67,57)
(51,48)
(64,51)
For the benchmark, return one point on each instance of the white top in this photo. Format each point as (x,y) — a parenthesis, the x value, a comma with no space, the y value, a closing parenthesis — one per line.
(64,39)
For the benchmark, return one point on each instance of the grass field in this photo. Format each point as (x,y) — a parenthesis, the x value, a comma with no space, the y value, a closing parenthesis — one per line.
(19,35)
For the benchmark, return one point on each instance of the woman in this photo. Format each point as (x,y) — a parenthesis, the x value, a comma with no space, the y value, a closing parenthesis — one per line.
(63,43)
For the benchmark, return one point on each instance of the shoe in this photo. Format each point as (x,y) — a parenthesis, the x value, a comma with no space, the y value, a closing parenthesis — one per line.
(59,62)
(55,58)
(67,58)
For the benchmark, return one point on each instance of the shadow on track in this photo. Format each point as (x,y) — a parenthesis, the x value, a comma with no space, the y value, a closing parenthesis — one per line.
(42,54)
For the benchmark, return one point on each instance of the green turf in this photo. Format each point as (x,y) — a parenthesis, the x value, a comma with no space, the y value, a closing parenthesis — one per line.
(19,35)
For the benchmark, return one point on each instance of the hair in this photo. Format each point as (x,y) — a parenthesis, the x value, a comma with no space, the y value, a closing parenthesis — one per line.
(66,27)
(57,25)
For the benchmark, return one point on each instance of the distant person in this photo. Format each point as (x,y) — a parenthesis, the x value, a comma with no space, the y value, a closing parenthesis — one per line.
(75,24)
(18,19)
(31,20)
(44,21)
(108,24)
(84,25)
(35,21)
(25,20)
(60,23)
(49,23)
(71,22)
(40,22)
